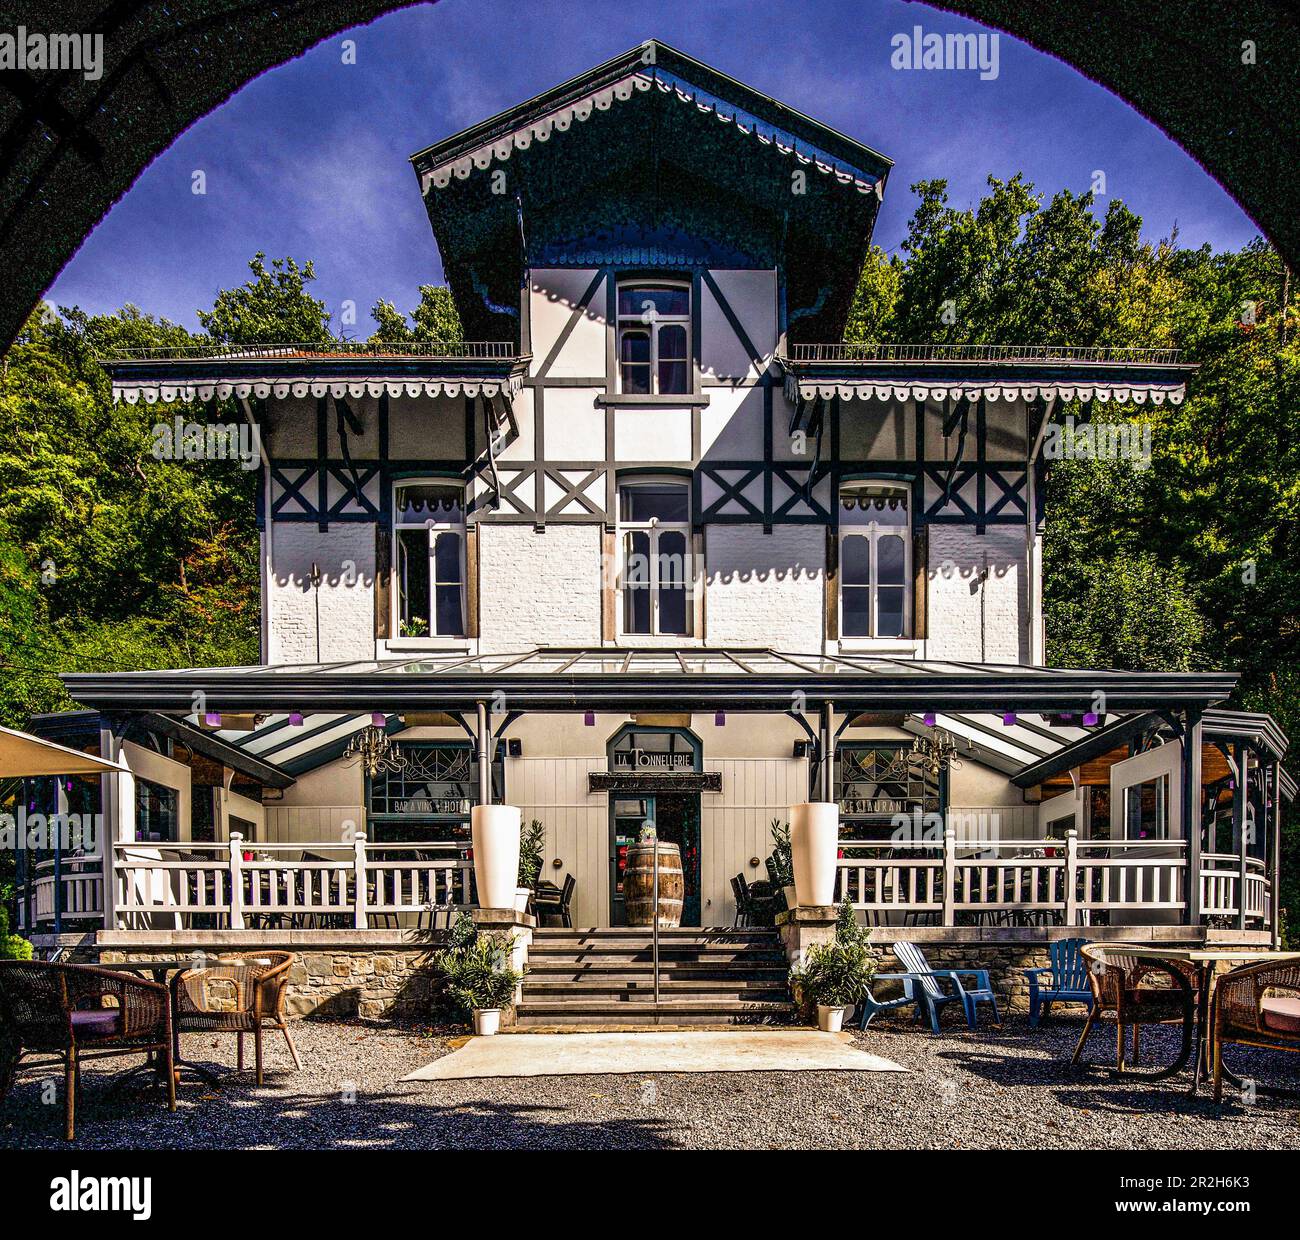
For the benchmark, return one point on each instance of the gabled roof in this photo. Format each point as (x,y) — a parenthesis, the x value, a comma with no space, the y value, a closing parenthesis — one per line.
(652,160)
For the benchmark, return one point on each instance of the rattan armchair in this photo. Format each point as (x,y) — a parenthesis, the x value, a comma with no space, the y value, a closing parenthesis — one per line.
(241,993)
(1125,993)
(1248,1013)
(78,1012)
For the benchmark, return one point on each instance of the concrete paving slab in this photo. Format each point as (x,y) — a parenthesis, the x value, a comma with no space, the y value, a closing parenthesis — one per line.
(600,1054)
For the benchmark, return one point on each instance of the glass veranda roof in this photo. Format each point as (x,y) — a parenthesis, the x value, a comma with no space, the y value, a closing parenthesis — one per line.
(560,679)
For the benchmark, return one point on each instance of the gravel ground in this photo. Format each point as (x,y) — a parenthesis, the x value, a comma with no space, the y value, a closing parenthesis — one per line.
(1001,1089)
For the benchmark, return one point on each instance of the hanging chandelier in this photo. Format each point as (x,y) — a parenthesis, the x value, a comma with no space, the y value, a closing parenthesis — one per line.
(376,752)
(936,750)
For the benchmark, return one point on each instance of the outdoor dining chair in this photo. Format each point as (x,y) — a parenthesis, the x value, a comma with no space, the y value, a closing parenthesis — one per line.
(552,901)
(1248,1012)
(1065,980)
(1132,991)
(78,1012)
(239,994)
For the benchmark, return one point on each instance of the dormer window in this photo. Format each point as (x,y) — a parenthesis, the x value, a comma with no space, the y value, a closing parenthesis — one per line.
(875,567)
(654,339)
(429,532)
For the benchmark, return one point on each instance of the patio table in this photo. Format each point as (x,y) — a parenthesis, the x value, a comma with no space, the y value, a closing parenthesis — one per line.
(1206,960)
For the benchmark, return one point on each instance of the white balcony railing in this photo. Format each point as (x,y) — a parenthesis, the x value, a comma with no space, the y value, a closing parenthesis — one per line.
(260,886)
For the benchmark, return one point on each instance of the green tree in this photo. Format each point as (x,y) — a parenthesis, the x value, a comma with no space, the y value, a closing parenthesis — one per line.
(274,307)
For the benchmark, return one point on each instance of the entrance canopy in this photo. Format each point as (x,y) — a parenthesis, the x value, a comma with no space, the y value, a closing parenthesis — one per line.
(608,678)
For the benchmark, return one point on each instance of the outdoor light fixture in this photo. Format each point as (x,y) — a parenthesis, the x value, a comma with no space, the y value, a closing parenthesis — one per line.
(378,719)
(212,719)
(295,719)
(1090,719)
(929,719)
(376,751)
(720,719)
(1009,719)
(935,752)
(589,719)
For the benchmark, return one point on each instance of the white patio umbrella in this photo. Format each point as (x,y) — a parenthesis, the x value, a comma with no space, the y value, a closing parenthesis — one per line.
(22,754)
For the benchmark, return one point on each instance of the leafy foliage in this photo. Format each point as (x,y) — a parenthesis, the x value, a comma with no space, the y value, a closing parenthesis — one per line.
(435,318)
(273,307)
(532,841)
(476,967)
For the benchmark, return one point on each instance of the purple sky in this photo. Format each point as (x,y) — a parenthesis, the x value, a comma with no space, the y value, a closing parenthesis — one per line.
(311,158)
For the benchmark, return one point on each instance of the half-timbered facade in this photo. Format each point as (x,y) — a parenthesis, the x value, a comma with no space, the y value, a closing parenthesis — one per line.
(651,548)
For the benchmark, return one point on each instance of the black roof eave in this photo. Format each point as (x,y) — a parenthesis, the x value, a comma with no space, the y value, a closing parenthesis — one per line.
(773,111)
(1011,371)
(1031,692)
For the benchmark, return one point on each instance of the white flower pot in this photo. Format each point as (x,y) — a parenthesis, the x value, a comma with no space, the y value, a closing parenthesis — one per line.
(791,896)
(815,842)
(522,896)
(494,830)
(486,1021)
(829,1019)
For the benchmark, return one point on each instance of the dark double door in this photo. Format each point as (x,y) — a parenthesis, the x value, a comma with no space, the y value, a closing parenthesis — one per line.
(676,818)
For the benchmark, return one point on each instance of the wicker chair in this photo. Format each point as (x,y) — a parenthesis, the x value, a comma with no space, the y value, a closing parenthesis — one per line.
(77,1012)
(242,993)
(1247,1013)
(1124,993)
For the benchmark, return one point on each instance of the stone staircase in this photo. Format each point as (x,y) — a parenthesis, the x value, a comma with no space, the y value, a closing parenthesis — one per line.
(606,977)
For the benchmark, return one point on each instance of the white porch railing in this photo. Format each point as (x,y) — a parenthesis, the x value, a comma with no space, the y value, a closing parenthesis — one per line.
(83,895)
(318,885)
(1062,881)
(1221,885)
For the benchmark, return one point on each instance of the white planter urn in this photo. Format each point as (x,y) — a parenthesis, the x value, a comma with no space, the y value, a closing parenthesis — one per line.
(815,843)
(494,830)
(522,896)
(829,1019)
(486,1021)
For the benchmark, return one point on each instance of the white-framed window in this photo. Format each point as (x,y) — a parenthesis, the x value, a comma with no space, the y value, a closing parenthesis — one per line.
(875,561)
(1146,809)
(429,558)
(654,338)
(654,518)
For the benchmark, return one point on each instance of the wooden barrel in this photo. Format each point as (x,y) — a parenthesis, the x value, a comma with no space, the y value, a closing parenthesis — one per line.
(638,885)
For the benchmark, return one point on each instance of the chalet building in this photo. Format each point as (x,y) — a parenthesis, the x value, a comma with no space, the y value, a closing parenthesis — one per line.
(654,544)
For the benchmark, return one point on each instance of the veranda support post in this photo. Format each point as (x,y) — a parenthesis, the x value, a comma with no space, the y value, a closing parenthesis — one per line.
(1240,773)
(1191,813)
(236,877)
(949,876)
(361,899)
(1072,877)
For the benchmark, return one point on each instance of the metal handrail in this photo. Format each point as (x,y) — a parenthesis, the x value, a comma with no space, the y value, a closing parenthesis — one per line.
(465,350)
(842,352)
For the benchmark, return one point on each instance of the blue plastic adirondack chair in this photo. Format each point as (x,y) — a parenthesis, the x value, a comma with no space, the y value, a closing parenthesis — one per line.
(926,984)
(1067,979)
(869,1006)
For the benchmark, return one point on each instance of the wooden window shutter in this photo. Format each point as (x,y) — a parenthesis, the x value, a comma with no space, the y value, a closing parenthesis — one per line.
(920,579)
(471,581)
(608,601)
(832,591)
(383,581)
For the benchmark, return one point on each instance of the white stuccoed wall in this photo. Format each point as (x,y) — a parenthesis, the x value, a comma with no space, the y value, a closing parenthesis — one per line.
(346,556)
(968,620)
(765,589)
(539,589)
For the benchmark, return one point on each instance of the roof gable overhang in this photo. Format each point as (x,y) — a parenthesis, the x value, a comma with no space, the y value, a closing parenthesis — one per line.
(652,159)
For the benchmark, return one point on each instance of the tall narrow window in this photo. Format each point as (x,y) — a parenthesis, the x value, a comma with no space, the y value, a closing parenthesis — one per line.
(654,354)
(655,529)
(429,530)
(875,561)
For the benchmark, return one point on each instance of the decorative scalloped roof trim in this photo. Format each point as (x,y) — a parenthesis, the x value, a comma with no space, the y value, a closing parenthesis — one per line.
(152,393)
(1120,393)
(540,130)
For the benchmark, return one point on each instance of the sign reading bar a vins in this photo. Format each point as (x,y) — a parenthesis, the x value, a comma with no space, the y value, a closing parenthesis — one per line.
(430,805)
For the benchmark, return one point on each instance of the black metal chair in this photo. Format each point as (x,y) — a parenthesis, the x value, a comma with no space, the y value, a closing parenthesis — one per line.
(552,901)
(744,904)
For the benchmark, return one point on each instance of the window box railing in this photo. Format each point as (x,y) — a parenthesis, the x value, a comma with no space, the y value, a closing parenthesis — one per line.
(981,353)
(463,350)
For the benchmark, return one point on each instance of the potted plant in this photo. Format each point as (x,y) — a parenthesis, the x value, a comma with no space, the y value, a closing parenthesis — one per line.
(834,976)
(814,849)
(783,862)
(478,973)
(532,841)
(494,830)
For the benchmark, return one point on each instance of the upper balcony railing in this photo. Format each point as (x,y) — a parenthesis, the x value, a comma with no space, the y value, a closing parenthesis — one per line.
(466,350)
(981,353)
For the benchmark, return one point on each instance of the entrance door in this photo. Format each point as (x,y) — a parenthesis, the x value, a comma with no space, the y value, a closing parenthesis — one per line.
(676,817)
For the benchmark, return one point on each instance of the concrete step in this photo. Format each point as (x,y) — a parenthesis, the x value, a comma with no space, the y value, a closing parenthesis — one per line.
(635,970)
(742,987)
(535,1013)
(613,950)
